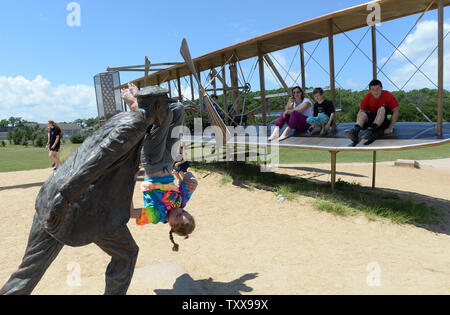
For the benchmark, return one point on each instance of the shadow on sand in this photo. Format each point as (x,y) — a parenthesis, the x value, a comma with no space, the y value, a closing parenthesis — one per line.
(183,286)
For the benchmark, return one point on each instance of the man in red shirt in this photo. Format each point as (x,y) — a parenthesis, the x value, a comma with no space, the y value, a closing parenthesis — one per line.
(373,114)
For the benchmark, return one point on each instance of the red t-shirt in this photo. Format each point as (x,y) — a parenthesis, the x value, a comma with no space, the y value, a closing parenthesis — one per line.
(387,99)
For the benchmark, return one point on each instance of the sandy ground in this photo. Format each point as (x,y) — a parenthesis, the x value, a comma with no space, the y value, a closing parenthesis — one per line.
(248,243)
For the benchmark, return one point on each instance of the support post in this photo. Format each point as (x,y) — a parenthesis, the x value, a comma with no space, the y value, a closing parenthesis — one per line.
(237,104)
(374,169)
(192,88)
(213,81)
(332,75)
(440,66)
(374,53)
(200,96)
(333,170)
(331,55)
(180,95)
(262,85)
(302,63)
(147,67)
(170,87)
(225,94)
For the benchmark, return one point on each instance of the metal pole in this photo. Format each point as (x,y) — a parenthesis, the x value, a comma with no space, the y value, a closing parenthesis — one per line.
(440,65)
(302,62)
(214,81)
(374,53)
(225,94)
(332,74)
(262,85)
(201,99)
(192,88)
(237,107)
(374,168)
(331,53)
(333,170)
(170,88)
(180,96)
(147,66)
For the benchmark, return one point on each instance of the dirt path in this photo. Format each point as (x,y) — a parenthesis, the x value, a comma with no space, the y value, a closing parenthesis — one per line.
(248,243)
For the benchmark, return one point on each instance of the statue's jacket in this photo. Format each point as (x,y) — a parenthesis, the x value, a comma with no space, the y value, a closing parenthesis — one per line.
(88,197)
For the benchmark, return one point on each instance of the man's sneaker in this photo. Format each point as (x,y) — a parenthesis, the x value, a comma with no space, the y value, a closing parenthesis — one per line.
(309,131)
(370,136)
(353,135)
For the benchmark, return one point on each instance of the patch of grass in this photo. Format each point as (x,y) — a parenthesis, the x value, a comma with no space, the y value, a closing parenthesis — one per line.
(250,188)
(226,179)
(345,200)
(331,207)
(288,192)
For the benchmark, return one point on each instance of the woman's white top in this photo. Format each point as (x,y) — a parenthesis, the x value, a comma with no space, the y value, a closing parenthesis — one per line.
(309,111)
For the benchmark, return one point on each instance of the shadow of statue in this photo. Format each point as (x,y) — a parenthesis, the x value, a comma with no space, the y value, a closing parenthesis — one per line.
(234,287)
(185,285)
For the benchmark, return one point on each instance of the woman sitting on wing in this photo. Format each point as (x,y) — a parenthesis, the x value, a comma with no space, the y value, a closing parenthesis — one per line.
(298,109)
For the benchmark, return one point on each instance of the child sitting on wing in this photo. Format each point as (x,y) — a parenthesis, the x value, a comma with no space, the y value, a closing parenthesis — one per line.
(323,115)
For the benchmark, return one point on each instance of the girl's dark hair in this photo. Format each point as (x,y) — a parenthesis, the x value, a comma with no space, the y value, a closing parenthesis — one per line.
(51,122)
(301,91)
(182,229)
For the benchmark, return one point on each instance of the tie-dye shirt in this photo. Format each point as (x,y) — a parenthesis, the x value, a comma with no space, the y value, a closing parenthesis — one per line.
(160,195)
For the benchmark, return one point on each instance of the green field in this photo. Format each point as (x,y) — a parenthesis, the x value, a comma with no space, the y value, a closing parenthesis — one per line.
(19,158)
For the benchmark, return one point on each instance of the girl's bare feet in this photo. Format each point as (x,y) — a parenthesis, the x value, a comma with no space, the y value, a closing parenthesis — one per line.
(275,134)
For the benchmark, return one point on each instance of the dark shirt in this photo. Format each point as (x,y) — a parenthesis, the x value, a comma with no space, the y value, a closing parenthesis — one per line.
(54,132)
(326,107)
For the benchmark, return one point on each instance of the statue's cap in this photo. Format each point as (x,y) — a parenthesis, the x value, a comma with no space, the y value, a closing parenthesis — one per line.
(152,91)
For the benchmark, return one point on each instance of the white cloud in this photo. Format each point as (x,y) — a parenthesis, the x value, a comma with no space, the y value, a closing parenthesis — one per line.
(417,47)
(38,100)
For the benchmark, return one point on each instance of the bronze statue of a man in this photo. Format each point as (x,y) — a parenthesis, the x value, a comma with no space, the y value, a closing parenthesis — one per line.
(87,200)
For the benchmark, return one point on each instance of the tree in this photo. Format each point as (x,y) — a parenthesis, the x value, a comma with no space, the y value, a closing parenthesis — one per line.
(15,121)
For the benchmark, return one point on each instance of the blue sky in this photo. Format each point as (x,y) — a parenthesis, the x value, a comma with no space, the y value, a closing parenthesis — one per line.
(47,67)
